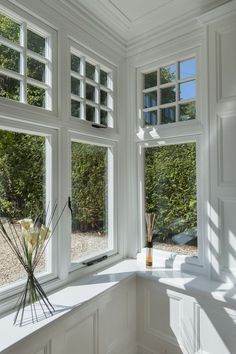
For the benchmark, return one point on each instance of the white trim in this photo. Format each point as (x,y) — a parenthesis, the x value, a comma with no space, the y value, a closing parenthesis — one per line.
(112,195)
(180,259)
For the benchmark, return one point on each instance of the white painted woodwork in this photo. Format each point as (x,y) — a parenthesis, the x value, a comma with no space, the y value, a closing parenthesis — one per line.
(222,109)
(172,322)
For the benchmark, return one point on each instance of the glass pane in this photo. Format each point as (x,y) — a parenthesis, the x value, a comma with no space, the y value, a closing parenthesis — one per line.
(168,95)
(103,117)
(89,200)
(22,181)
(75,63)
(75,86)
(103,78)
(171,193)
(9,58)
(150,80)
(168,115)
(90,92)
(187,111)
(90,71)
(90,113)
(35,69)
(168,74)
(187,90)
(9,29)
(75,109)
(187,68)
(35,42)
(9,88)
(150,118)
(103,98)
(35,96)
(150,99)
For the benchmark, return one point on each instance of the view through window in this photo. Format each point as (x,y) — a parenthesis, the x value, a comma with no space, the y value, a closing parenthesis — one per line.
(89,200)
(171,193)
(169,93)
(25,64)
(22,192)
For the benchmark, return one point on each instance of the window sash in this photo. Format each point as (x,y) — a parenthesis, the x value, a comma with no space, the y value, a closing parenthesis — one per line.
(112,195)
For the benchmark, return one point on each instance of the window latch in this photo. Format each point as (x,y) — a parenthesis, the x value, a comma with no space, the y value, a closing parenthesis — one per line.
(97,260)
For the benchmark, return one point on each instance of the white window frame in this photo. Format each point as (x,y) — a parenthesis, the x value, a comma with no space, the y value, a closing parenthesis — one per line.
(50,60)
(100,64)
(50,135)
(112,196)
(155,66)
(184,261)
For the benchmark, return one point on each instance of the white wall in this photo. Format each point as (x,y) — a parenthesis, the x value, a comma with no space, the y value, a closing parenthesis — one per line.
(104,325)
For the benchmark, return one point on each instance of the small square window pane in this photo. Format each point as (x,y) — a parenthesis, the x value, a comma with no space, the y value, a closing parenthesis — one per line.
(168,95)
(103,78)
(103,117)
(35,42)
(187,90)
(168,74)
(90,92)
(90,71)
(75,109)
(90,113)
(9,58)
(168,115)
(150,118)
(187,68)
(35,69)
(75,86)
(150,80)
(187,111)
(9,88)
(103,98)
(150,99)
(35,96)
(9,29)
(75,63)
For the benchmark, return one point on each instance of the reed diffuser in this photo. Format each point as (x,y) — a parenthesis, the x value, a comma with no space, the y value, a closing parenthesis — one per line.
(150,223)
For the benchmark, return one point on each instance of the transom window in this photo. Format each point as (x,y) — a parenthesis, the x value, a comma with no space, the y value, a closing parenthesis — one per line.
(25,63)
(91,91)
(169,93)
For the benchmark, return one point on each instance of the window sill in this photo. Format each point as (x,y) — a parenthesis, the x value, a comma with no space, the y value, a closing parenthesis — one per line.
(79,293)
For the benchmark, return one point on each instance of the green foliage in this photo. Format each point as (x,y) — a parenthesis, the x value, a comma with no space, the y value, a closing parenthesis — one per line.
(22,171)
(89,186)
(170,182)
(10,59)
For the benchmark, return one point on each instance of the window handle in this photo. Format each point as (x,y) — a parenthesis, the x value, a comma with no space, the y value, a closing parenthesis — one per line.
(69,206)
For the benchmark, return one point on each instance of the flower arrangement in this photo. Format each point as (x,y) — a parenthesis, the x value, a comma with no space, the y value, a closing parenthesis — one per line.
(150,223)
(28,240)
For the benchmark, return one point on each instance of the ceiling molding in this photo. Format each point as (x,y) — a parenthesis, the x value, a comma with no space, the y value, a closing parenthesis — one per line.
(218,13)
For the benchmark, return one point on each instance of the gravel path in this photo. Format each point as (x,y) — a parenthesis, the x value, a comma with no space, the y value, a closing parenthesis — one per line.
(81,245)
(180,249)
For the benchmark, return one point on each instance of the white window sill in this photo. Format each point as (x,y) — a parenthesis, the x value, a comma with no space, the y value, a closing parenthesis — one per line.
(87,289)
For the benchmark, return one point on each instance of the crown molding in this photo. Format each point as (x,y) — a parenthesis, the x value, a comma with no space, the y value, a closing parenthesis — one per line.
(227,9)
(78,13)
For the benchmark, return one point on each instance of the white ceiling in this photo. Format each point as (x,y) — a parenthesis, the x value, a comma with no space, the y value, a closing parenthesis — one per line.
(130,19)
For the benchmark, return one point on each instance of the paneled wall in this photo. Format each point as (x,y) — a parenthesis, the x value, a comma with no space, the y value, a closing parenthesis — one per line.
(106,325)
(172,322)
(222,109)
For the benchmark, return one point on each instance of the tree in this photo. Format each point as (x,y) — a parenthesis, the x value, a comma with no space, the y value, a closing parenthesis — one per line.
(170,187)
(22,174)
